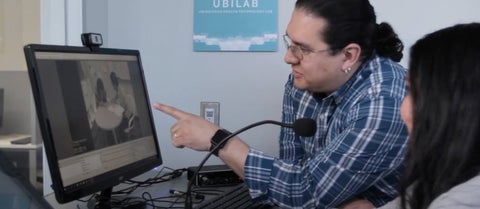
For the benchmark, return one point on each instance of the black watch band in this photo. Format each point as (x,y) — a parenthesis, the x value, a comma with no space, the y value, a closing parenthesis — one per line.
(217,138)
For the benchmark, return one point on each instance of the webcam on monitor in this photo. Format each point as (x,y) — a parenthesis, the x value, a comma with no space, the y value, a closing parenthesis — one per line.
(92,40)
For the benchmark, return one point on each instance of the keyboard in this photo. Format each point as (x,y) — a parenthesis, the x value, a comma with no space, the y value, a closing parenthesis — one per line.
(235,197)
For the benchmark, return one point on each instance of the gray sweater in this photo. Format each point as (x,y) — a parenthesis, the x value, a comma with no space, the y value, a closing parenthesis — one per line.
(462,196)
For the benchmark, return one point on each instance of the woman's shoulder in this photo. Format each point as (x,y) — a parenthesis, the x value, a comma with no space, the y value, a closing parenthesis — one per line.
(462,196)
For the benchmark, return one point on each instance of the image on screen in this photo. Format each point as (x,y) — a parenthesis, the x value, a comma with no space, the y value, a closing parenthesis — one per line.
(95,117)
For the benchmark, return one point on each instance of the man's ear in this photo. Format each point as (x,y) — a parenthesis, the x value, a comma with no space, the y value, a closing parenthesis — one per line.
(352,55)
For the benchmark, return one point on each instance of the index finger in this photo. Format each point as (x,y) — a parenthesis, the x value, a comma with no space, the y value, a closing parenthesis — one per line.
(169,110)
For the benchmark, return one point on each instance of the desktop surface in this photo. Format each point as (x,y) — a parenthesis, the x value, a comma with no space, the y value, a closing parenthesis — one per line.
(17,141)
(170,194)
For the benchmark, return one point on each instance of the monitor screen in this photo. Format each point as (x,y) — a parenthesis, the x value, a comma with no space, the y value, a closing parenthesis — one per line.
(95,117)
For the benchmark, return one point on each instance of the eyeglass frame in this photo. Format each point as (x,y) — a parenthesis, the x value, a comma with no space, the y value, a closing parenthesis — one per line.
(299,51)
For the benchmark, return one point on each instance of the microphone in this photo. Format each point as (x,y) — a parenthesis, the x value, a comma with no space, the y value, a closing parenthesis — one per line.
(303,127)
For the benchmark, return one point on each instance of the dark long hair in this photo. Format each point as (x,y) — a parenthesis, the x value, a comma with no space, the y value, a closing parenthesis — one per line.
(354,21)
(444,75)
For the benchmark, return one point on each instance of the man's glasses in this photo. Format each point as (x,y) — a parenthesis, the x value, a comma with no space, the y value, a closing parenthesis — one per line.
(299,51)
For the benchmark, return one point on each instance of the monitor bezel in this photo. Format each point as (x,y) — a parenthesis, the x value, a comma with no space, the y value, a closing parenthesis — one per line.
(116,176)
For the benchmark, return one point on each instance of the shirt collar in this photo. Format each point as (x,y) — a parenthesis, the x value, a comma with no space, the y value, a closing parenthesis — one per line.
(344,90)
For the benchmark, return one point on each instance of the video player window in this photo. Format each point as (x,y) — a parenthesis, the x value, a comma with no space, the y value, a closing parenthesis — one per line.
(95,117)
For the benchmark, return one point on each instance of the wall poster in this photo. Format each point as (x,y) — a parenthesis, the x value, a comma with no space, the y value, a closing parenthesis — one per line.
(235,25)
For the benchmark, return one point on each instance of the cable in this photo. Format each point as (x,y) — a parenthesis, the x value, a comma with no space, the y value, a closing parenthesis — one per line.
(188,197)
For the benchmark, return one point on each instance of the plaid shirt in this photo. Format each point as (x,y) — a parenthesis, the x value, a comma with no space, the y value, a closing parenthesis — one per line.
(357,151)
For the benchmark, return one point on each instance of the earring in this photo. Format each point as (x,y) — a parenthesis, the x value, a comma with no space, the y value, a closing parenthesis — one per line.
(346,71)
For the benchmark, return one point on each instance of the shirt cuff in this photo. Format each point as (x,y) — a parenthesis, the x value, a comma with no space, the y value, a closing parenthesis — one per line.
(258,168)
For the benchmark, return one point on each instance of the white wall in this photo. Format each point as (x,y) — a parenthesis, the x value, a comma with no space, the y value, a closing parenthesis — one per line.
(412,19)
(249,86)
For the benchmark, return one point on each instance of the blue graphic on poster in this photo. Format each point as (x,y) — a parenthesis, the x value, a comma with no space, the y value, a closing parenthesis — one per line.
(235,25)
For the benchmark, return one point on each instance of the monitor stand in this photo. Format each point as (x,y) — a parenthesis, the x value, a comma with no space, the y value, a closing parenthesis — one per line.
(104,201)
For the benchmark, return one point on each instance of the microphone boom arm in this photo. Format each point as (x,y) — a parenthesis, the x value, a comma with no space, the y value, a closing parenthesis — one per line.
(188,193)
(302,127)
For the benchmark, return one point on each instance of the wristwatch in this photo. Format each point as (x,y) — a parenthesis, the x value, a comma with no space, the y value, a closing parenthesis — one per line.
(217,138)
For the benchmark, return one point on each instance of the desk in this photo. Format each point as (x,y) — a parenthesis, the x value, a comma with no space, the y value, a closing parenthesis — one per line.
(6,145)
(157,190)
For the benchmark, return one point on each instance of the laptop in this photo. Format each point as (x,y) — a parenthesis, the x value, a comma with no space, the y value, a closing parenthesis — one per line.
(16,191)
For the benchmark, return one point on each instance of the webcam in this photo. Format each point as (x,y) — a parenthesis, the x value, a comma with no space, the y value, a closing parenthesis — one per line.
(92,40)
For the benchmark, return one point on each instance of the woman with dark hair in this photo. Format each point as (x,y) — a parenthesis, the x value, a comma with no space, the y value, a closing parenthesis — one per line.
(444,156)
(442,114)
(346,77)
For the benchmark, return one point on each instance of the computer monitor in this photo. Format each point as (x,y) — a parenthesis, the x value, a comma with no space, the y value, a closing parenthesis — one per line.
(94,115)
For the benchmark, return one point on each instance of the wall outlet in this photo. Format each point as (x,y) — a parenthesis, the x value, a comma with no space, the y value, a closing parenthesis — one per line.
(210,111)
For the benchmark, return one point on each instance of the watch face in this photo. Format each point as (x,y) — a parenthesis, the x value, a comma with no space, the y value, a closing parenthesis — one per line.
(220,138)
